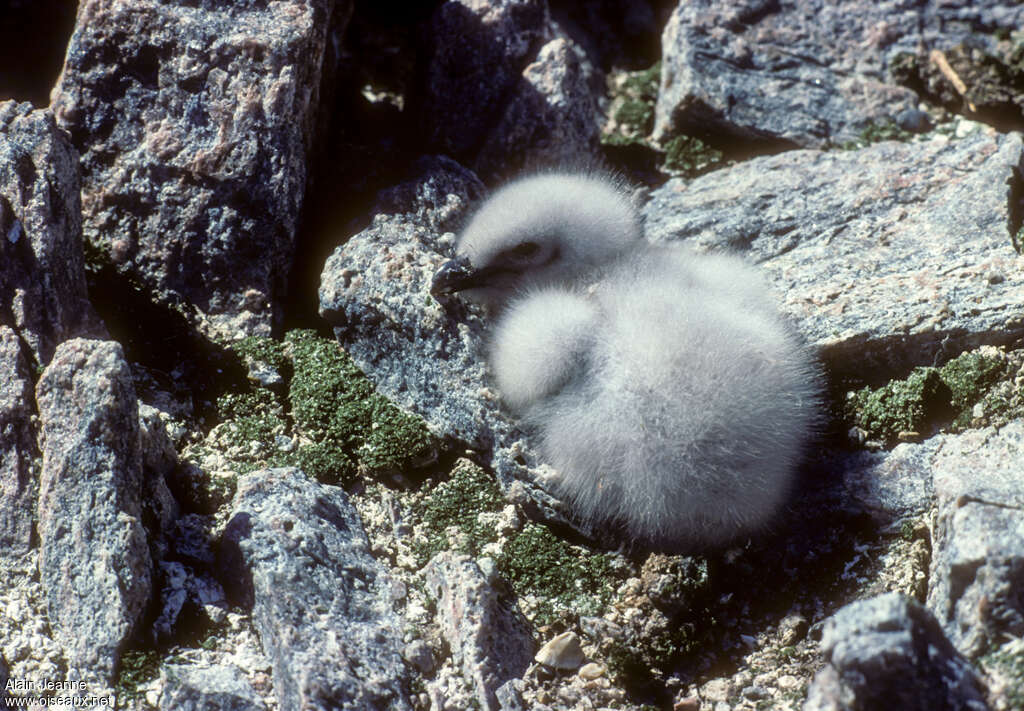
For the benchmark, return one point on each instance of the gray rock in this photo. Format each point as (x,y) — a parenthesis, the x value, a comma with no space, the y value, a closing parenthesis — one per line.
(425,355)
(159,460)
(94,563)
(323,607)
(42,282)
(488,636)
(194,688)
(550,120)
(808,72)
(4,676)
(183,589)
(18,454)
(889,652)
(975,480)
(194,122)
(504,89)
(891,486)
(884,256)
(977,564)
(475,51)
(375,290)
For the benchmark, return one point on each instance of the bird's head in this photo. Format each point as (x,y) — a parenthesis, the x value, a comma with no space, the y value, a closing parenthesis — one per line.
(545,229)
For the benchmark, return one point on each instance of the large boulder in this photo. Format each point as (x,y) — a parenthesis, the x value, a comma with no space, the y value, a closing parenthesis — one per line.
(807,73)
(195,122)
(18,453)
(322,605)
(890,652)
(94,561)
(42,278)
(888,257)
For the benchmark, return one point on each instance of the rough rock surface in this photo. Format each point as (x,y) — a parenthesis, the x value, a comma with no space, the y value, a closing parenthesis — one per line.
(889,652)
(488,636)
(501,90)
(194,688)
(550,120)
(194,122)
(94,562)
(42,282)
(426,355)
(977,570)
(891,486)
(976,482)
(474,54)
(375,290)
(808,72)
(17,449)
(322,605)
(926,229)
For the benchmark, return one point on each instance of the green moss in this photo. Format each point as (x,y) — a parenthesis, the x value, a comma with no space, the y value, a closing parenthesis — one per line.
(910,405)
(563,576)
(969,376)
(930,398)
(458,503)
(261,350)
(688,155)
(351,426)
(644,84)
(325,461)
(534,561)
(338,425)
(395,440)
(1007,663)
(877,132)
(328,394)
(632,107)
(637,115)
(137,667)
(252,420)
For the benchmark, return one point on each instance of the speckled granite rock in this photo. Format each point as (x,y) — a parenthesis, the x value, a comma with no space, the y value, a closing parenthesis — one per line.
(889,652)
(976,482)
(474,54)
(375,291)
(323,607)
(192,688)
(550,119)
(887,257)
(502,88)
(194,122)
(807,72)
(94,562)
(977,569)
(42,282)
(4,672)
(18,453)
(489,638)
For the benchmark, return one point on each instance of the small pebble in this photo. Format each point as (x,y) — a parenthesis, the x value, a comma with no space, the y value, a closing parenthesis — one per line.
(562,652)
(591,670)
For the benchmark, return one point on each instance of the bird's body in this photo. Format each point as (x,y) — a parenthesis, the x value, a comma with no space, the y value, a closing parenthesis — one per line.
(664,388)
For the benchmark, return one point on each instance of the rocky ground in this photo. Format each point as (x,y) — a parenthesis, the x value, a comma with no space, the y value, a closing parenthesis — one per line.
(248,462)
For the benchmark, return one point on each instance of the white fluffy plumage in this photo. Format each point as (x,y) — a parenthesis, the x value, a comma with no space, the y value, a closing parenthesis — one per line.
(664,386)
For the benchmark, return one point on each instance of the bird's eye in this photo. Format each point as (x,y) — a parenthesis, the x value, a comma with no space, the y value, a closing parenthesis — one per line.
(522,251)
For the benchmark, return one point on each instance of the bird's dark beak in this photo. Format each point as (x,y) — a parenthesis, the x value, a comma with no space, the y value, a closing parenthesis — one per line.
(455,275)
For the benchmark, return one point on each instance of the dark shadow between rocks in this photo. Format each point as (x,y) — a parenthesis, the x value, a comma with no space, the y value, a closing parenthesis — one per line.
(33,39)
(873,361)
(175,355)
